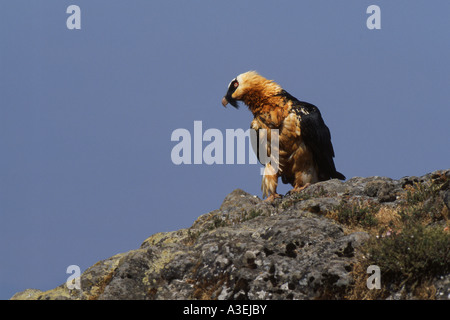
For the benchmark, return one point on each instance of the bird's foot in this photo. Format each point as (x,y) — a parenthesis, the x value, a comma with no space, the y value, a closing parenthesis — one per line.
(298,189)
(272,197)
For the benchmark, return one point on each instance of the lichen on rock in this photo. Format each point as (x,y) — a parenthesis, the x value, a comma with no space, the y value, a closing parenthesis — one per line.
(314,244)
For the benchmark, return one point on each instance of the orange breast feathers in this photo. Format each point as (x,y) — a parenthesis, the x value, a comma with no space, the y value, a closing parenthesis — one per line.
(295,160)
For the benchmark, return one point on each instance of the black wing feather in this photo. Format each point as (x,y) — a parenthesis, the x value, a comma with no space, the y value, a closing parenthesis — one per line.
(316,136)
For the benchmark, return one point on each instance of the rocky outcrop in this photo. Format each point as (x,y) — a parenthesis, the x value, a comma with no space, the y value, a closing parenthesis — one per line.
(315,244)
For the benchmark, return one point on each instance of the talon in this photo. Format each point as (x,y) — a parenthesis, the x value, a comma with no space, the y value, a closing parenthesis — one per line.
(298,189)
(272,197)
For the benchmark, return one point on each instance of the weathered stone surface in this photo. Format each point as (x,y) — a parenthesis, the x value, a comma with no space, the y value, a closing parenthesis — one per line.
(250,249)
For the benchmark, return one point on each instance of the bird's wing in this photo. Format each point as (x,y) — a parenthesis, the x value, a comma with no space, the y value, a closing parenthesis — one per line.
(317,137)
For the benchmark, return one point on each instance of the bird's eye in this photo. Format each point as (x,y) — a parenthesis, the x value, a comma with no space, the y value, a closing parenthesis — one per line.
(233,84)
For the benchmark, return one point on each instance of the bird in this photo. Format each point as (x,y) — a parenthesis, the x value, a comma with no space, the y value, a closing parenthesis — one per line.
(305,151)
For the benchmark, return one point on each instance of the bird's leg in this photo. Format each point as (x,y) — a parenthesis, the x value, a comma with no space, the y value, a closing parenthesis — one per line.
(269,183)
(300,188)
(272,197)
(303,180)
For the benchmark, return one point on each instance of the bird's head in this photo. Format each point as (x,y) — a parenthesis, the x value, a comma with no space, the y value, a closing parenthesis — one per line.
(234,92)
(247,87)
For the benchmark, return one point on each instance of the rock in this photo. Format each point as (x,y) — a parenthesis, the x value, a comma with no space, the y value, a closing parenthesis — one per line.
(408,181)
(28,294)
(442,286)
(322,205)
(446,198)
(249,249)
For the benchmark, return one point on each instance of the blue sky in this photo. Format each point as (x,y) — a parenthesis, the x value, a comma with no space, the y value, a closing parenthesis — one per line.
(86,116)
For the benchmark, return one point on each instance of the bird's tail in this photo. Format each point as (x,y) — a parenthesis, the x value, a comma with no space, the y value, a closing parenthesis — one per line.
(338,175)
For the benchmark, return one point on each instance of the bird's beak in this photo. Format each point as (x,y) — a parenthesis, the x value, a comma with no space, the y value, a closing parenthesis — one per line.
(224,101)
(229,100)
